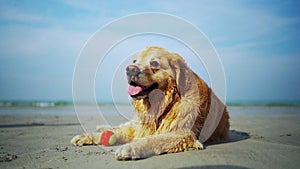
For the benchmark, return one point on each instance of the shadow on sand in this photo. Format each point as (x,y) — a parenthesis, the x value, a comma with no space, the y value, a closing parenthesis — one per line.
(234,136)
(216,167)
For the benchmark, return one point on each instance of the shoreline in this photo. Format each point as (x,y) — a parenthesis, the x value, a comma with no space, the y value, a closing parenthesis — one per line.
(127,109)
(53,103)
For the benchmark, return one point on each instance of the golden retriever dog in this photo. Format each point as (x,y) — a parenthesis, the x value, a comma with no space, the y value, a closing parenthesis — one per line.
(171,103)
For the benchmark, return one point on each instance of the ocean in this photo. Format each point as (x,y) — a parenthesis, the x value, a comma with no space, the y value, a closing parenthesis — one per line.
(68,108)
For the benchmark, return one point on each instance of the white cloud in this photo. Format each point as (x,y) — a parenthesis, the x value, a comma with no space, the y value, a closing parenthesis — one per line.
(227,21)
(83,5)
(11,14)
(27,41)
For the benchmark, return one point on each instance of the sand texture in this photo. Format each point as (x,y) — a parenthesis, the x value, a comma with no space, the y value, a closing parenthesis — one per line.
(261,137)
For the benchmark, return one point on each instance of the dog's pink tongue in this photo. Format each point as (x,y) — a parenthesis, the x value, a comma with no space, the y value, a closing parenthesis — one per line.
(134,90)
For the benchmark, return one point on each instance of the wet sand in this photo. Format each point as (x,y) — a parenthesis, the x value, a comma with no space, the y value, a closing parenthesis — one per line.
(261,137)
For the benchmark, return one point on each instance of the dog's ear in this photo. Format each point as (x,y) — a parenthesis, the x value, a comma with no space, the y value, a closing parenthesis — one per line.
(184,77)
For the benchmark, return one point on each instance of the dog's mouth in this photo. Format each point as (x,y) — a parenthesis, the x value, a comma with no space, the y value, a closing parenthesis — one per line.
(139,91)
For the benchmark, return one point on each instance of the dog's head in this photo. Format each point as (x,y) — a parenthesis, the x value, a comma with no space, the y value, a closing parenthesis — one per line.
(156,68)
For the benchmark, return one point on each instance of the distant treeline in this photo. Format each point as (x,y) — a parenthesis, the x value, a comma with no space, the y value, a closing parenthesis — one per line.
(268,104)
(34,103)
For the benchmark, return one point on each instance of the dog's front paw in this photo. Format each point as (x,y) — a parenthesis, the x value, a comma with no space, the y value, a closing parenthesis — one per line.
(198,145)
(81,140)
(129,151)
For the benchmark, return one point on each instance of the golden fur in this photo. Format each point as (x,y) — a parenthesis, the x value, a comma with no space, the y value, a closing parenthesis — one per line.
(170,116)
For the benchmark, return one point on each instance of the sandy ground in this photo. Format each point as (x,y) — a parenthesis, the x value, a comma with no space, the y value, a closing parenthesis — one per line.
(261,137)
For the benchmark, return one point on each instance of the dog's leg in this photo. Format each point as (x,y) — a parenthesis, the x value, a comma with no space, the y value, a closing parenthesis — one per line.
(124,134)
(157,144)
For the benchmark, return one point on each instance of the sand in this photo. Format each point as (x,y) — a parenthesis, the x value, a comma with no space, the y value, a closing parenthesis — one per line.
(261,137)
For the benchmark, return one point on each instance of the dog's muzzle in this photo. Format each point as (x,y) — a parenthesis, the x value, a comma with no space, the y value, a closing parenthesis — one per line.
(132,73)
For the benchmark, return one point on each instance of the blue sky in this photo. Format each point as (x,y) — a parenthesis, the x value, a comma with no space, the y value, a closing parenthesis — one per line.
(258,44)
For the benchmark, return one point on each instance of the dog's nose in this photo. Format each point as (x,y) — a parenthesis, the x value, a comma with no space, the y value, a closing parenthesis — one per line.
(133,70)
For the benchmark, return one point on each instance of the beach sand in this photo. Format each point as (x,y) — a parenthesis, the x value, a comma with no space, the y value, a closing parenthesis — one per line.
(261,137)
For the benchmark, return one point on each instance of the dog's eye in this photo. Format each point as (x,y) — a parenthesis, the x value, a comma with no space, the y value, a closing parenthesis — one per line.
(154,63)
(134,61)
